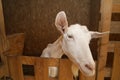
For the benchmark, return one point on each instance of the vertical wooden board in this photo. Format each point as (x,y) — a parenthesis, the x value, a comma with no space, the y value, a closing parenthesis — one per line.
(3,40)
(3,43)
(65,72)
(41,69)
(82,77)
(15,68)
(106,8)
(116,63)
(16,44)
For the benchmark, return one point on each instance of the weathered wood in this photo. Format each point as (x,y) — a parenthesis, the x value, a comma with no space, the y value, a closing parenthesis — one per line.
(115,27)
(16,44)
(15,67)
(116,64)
(28,60)
(3,44)
(116,8)
(3,40)
(29,78)
(111,47)
(116,1)
(106,9)
(65,72)
(82,77)
(2,71)
(41,68)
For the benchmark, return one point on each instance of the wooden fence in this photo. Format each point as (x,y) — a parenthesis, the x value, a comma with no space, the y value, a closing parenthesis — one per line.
(13,61)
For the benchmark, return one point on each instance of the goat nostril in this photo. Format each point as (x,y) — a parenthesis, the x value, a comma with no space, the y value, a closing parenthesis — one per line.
(89,67)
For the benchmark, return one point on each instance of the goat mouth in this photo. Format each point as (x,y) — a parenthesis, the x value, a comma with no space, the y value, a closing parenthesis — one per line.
(86,70)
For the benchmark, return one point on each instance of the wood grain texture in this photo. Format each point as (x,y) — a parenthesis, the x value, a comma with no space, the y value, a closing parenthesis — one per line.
(115,27)
(116,63)
(116,8)
(65,72)
(15,67)
(106,10)
(16,44)
(3,44)
(29,78)
(42,66)
(3,40)
(82,77)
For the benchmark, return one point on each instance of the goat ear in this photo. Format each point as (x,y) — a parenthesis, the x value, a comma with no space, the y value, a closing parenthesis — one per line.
(98,34)
(61,22)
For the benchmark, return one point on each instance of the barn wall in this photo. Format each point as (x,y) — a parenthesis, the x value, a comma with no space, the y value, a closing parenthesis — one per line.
(36,19)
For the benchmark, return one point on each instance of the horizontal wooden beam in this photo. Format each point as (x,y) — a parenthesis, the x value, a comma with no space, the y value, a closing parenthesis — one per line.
(115,27)
(116,8)
(111,45)
(29,78)
(116,63)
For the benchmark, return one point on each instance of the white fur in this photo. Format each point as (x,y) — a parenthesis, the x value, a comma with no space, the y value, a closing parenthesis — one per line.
(74,42)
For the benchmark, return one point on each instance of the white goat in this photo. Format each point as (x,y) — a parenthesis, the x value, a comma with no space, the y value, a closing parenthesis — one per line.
(74,42)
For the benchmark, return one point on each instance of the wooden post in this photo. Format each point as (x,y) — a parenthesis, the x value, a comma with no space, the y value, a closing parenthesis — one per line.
(116,63)
(106,9)
(65,72)
(15,67)
(3,44)
(3,40)
(16,43)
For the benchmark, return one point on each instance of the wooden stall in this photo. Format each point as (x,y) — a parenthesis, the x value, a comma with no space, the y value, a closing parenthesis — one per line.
(13,46)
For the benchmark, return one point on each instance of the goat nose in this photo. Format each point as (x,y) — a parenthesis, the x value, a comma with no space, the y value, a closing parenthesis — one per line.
(90,66)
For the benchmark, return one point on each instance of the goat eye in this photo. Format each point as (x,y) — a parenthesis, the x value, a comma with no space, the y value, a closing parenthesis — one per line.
(70,36)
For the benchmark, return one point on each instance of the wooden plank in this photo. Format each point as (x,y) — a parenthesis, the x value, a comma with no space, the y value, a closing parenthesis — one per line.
(116,1)
(41,67)
(86,77)
(2,72)
(28,60)
(29,78)
(111,47)
(3,40)
(116,64)
(115,27)
(106,9)
(16,44)
(3,44)
(65,72)
(15,67)
(116,8)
